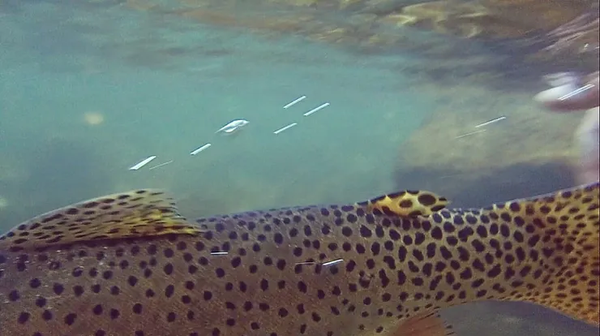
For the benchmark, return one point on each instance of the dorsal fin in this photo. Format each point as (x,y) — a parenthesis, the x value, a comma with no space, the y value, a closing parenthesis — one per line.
(408,203)
(137,213)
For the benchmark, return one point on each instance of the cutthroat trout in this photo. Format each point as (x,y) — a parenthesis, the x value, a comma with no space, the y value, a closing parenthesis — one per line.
(129,264)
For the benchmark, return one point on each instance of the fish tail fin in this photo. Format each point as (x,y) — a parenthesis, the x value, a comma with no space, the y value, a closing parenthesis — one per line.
(562,234)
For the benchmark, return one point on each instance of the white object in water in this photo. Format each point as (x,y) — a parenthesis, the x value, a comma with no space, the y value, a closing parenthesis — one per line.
(200,149)
(469,134)
(3,202)
(161,165)
(333,262)
(491,121)
(285,128)
(576,92)
(142,163)
(296,101)
(320,107)
(562,78)
(564,86)
(233,126)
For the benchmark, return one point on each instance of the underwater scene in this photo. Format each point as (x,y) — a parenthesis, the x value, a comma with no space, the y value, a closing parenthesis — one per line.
(413,116)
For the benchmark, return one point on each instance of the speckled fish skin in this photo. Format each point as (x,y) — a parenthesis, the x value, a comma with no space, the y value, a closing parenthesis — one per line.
(542,250)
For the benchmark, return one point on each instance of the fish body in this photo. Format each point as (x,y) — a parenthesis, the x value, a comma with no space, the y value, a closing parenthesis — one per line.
(129,264)
(233,126)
